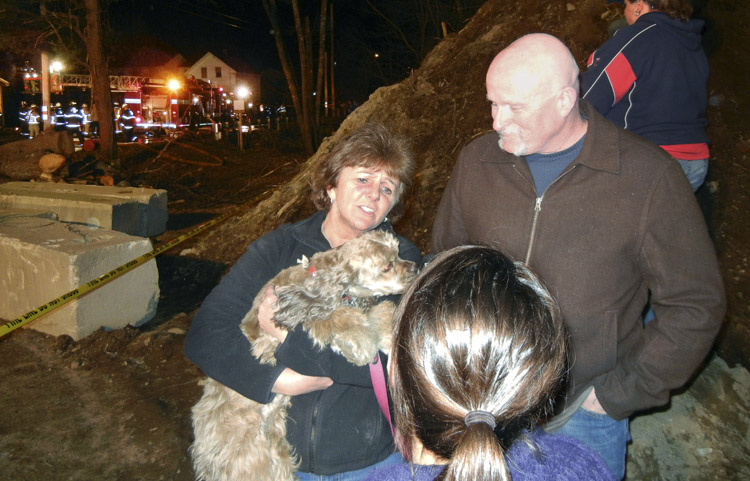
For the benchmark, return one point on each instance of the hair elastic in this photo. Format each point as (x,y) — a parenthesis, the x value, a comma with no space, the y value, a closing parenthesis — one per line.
(473,417)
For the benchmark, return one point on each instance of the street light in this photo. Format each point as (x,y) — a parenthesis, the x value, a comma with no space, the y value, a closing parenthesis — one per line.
(242,93)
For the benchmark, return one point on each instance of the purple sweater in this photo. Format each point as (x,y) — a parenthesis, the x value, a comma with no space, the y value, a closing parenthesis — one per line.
(558,458)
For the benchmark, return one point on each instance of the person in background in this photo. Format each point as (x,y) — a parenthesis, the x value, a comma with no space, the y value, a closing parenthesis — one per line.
(94,125)
(35,120)
(23,118)
(334,424)
(85,120)
(127,120)
(604,217)
(651,79)
(59,118)
(116,117)
(73,120)
(479,354)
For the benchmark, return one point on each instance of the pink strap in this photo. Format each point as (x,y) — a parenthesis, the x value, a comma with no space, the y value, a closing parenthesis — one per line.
(378,383)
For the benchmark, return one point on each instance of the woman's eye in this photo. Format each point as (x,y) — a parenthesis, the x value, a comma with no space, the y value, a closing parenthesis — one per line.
(386,190)
(361,180)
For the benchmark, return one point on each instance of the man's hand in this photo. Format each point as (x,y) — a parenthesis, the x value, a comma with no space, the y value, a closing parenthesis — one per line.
(592,403)
(266,311)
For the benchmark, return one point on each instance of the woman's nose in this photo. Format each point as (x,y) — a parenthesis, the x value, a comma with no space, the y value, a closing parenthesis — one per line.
(374,192)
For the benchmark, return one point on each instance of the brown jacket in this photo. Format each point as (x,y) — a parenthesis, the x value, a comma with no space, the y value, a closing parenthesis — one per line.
(619,221)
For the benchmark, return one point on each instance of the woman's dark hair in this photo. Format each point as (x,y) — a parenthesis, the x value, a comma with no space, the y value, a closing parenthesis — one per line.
(680,9)
(475,332)
(371,146)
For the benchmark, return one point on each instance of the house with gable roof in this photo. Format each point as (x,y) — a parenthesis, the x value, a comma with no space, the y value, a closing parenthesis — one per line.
(213,70)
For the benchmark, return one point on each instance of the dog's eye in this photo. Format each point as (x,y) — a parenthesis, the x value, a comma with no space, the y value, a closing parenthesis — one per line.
(388,267)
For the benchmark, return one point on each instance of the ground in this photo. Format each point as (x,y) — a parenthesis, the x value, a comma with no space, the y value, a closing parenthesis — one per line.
(115,405)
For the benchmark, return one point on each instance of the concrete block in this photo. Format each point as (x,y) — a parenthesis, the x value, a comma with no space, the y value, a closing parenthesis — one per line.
(132,210)
(43,259)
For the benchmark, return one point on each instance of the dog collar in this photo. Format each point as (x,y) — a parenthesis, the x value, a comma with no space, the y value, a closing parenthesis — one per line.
(313,272)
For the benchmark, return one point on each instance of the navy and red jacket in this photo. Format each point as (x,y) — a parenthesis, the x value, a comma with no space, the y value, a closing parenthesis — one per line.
(650,78)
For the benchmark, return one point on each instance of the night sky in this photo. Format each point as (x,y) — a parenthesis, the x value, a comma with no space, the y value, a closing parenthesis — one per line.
(368,51)
(238,32)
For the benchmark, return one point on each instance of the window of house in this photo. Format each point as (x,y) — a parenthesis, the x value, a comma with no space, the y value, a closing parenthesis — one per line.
(218,72)
(204,72)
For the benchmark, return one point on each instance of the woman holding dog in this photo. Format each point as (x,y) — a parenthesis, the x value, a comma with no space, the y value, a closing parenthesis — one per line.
(479,352)
(335,424)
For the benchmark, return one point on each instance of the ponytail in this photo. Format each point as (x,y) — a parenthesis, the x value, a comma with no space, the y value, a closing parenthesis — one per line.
(479,352)
(478,456)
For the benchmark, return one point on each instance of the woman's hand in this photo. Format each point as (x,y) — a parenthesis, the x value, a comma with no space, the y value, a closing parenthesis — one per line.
(293,383)
(266,311)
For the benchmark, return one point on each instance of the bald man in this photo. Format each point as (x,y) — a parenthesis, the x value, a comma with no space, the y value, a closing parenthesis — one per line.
(608,220)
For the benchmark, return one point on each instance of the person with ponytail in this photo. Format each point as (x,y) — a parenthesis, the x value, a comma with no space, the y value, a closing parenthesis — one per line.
(479,354)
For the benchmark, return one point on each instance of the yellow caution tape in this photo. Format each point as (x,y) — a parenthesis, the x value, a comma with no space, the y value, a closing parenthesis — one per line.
(109,276)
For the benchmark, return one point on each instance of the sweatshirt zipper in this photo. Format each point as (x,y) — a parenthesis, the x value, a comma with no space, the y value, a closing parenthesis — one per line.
(537,210)
(532,237)
(313,431)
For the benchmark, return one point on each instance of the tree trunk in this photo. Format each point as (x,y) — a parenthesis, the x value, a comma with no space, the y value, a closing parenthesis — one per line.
(101,95)
(303,45)
(321,60)
(302,92)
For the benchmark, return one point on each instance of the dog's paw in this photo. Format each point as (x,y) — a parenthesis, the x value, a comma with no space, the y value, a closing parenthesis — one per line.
(380,317)
(359,346)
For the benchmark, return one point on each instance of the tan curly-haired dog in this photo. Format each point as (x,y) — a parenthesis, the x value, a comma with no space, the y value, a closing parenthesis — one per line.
(334,296)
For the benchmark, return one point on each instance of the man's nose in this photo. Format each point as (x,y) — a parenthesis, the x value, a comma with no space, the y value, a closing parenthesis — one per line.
(499,118)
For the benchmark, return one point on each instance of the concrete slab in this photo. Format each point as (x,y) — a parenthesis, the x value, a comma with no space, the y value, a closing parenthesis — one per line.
(132,210)
(43,259)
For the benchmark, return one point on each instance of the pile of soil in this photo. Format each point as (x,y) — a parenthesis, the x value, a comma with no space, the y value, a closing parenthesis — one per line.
(116,404)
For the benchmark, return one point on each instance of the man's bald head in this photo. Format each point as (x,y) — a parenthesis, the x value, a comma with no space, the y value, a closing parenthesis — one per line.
(533,87)
(538,60)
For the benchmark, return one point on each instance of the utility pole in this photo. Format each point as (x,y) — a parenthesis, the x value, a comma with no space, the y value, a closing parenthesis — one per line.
(46,105)
(333,63)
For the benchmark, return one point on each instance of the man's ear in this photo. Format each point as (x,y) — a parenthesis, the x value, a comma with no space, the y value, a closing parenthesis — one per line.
(566,100)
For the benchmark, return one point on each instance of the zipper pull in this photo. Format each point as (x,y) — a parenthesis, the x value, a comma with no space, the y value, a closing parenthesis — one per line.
(538,205)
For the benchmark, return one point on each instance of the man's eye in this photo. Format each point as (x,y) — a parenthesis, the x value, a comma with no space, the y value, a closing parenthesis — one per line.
(386,190)
(361,180)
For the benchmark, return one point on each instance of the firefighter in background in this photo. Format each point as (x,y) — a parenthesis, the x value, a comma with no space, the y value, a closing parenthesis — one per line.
(127,119)
(85,120)
(34,120)
(116,117)
(94,126)
(23,118)
(59,117)
(73,120)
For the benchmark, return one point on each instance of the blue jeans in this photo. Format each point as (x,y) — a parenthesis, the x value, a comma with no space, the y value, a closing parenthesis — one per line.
(695,170)
(607,437)
(357,475)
